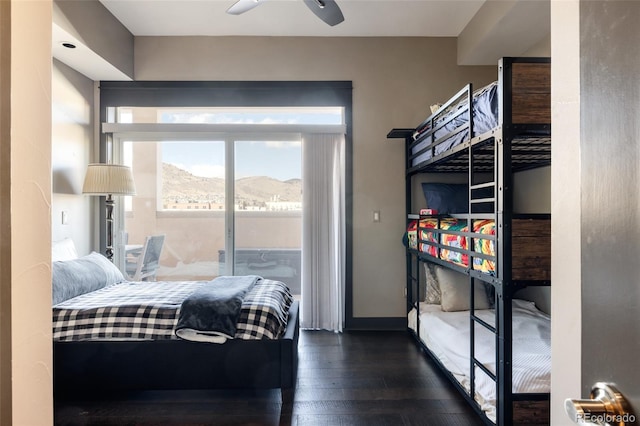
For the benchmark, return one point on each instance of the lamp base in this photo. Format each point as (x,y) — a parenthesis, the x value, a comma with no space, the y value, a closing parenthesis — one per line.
(109,204)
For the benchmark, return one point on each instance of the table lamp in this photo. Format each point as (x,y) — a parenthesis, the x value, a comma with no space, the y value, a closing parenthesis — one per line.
(108,180)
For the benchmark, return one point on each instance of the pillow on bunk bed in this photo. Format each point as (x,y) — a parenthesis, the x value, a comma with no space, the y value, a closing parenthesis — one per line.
(454,291)
(433,288)
(71,278)
(448,198)
(63,250)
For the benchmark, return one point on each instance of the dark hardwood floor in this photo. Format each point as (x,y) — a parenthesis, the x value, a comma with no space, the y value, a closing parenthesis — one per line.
(355,378)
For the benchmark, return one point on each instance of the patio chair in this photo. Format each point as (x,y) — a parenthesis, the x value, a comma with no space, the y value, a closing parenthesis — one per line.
(145,266)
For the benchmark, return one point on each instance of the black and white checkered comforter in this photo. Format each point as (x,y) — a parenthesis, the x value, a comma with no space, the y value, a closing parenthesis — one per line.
(150,311)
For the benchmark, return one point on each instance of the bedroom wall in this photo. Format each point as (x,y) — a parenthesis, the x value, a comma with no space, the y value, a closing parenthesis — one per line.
(394,79)
(72,106)
(488,36)
(542,48)
(91,25)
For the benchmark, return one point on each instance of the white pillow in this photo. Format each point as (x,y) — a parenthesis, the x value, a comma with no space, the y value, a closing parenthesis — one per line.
(63,250)
(454,291)
(111,271)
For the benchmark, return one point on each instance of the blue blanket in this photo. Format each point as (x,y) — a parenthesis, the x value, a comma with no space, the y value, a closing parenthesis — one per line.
(211,313)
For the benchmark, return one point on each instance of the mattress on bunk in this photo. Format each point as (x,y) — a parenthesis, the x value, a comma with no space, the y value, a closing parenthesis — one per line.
(419,232)
(485,118)
(446,334)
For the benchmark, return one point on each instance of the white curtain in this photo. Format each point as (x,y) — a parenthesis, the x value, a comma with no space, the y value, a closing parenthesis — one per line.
(323,232)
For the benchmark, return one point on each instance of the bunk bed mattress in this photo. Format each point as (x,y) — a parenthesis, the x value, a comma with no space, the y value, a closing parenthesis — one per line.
(485,118)
(481,245)
(447,335)
(150,311)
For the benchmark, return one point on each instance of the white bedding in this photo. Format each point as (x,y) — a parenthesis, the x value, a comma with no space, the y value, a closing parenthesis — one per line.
(446,334)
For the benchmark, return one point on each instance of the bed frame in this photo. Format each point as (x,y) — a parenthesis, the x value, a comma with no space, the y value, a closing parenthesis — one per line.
(521,141)
(179,364)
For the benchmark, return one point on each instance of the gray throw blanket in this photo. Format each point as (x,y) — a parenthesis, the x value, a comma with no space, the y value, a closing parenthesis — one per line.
(210,313)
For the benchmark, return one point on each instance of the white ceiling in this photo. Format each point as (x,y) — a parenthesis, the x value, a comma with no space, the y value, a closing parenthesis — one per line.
(432,18)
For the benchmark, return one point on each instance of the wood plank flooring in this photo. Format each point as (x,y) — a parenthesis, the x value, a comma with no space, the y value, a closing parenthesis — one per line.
(366,378)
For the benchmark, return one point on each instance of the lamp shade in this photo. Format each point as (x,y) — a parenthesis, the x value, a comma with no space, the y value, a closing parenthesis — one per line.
(104,179)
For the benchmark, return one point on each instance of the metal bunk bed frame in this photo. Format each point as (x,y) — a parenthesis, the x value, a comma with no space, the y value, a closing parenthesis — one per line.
(508,148)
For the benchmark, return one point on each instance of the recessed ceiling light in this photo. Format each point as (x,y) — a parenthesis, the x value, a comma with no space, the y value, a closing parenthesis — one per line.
(68,45)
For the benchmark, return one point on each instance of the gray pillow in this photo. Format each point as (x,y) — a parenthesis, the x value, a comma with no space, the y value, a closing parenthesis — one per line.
(446,198)
(454,291)
(71,278)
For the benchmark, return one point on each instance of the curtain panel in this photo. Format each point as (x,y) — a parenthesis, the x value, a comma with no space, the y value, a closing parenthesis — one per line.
(323,232)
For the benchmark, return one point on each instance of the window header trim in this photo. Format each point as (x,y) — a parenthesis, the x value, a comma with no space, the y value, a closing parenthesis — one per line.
(225,93)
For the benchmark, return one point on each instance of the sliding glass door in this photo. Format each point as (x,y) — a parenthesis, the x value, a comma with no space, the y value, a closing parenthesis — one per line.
(268,210)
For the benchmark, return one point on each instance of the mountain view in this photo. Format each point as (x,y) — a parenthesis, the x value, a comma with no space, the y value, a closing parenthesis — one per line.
(181,188)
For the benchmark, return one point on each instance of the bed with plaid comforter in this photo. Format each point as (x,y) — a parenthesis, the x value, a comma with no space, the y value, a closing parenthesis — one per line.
(150,311)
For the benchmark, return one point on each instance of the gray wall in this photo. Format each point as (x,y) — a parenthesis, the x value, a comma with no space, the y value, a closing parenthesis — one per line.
(72,136)
(89,23)
(490,34)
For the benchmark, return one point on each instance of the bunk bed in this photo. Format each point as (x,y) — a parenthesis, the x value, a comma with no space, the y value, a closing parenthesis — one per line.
(494,347)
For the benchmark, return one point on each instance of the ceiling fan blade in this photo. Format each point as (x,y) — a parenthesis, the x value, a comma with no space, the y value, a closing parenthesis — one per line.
(327,10)
(242,6)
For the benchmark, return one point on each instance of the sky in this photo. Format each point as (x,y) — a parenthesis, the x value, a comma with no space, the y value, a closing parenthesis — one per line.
(279,160)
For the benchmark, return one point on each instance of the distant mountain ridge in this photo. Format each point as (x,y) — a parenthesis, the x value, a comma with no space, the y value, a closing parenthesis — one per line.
(180,186)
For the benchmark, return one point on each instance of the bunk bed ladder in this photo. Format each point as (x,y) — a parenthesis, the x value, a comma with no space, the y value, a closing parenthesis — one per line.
(501,202)
(474,362)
